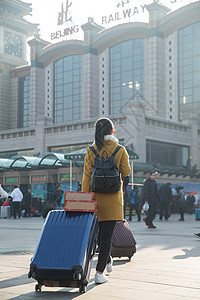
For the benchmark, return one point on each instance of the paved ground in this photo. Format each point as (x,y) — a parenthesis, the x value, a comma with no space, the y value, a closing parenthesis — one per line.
(166,265)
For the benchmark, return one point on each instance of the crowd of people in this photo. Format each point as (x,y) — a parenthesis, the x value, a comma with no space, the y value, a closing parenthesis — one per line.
(24,205)
(161,201)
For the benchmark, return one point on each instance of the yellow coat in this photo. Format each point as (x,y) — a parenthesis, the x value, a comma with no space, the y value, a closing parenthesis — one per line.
(110,206)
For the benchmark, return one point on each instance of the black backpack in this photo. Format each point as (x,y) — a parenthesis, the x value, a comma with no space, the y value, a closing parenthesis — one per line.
(141,194)
(105,175)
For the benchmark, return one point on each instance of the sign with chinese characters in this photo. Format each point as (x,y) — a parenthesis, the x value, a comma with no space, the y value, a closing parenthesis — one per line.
(38,179)
(64,17)
(11,180)
(66,177)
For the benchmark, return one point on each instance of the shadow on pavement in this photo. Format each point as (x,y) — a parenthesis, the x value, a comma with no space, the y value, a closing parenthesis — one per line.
(15,281)
(188,253)
(63,293)
(120,261)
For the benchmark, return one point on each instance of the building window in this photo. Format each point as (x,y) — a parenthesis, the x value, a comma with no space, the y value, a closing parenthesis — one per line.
(24,104)
(126,74)
(67,89)
(189,67)
(9,154)
(68,148)
(166,154)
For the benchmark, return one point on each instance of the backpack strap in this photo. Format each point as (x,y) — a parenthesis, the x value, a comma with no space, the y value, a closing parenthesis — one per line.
(113,155)
(116,150)
(93,150)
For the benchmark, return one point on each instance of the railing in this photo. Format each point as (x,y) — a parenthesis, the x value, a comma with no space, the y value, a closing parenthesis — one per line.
(166,124)
(17,133)
(81,125)
(87,124)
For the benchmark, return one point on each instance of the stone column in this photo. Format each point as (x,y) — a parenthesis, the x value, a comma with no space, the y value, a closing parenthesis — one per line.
(194,140)
(40,145)
(156,102)
(135,129)
(37,80)
(90,74)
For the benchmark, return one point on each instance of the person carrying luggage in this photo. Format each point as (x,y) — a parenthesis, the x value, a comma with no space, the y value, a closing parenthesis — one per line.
(17,197)
(110,205)
(150,192)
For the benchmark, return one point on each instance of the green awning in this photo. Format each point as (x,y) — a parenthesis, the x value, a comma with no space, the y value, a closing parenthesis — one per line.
(80,154)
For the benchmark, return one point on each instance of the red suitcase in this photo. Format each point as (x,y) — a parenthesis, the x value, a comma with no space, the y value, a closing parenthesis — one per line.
(123,242)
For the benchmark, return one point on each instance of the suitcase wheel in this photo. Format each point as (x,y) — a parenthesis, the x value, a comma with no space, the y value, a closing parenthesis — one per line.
(77,276)
(129,258)
(82,289)
(38,287)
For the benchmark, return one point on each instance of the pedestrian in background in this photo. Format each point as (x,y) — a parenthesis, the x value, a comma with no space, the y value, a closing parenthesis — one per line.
(166,198)
(27,203)
(150,193)
(181,202)
(190,203)
(58,197)
(11,205)
(131,203)
(6,203)
(125,193)
(134,202)
(17,197)
(138,203)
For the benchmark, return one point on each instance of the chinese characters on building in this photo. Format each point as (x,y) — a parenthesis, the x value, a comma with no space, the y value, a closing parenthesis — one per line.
(64,17)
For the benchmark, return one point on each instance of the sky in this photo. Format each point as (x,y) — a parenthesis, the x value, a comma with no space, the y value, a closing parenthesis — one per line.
(105,13)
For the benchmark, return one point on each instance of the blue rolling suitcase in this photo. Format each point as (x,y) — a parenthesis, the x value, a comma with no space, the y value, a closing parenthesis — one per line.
(64,254)
(197,214)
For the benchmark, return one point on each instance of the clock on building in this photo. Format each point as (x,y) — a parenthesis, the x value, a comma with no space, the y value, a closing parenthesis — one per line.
(13,44)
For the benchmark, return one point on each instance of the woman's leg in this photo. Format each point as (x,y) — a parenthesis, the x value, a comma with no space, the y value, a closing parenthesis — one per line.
(106,231)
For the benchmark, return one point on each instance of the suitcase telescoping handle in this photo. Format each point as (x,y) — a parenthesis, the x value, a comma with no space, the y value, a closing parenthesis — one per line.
(94,249)
(95,239)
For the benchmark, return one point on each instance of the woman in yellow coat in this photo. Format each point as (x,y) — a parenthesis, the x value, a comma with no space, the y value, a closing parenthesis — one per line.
(110,206)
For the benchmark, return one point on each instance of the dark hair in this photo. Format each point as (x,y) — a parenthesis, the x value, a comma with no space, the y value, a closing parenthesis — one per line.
(153,172)
(178,188)
(103,126)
